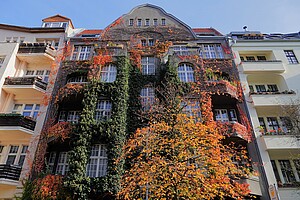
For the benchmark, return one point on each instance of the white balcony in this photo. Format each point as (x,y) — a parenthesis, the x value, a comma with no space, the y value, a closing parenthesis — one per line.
(281,142)
(263,66)
(271,99)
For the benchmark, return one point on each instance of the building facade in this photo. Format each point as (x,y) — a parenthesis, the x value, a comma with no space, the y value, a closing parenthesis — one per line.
(268,67)
(104,80)
(27,59)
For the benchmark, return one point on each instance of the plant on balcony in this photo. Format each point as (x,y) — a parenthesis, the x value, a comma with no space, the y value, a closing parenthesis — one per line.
(60,130)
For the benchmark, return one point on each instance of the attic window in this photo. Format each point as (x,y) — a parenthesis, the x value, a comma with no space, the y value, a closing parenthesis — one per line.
(163,22)
(139,22)
(155,22)
(130,22)
(90,35)
(147,22)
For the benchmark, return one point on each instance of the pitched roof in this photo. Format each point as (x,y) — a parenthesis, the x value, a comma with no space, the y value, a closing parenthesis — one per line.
(207,31)
(58,18)
(89,32)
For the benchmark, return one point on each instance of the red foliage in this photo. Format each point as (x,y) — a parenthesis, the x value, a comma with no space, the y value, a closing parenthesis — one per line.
(48,187)
(60,130)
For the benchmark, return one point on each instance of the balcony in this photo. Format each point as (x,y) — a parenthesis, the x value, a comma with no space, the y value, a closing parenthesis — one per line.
(234,129)
(260,66)
(273,98)
(222,87)
(281,142)
(23,87)
(15,127)
(36,53)
(9,174)
(254,186)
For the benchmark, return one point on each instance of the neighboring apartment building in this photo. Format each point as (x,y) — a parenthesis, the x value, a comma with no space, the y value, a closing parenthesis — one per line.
(134,53)
(268,66)
(27,59)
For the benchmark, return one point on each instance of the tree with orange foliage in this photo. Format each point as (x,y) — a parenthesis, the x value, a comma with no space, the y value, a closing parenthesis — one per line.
(177,157)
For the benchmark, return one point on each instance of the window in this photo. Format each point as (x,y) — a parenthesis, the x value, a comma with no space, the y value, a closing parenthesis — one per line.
(97,165)
(16,155)
(144,43)
(163,22)
(251,88)
(180,50)
(77,79)
(225,115)
(287,125)
(150,42)
(191,108)
(29,110)
(62,164)
(250,58)
(148,65)
(260,88)
(291,56)
(287,171)
(72,116)
(103,110)
(147,22)
(108,73)
(273,123)
(130,22)
(139,22)
(51,161)
(186,73)
(155,22)
(272,88)
(261,58)
(81,52)
(262,123)
(147,42)
(211,51)
(2,58)
(221,115)
(43,74)
(275,170)
(147,97)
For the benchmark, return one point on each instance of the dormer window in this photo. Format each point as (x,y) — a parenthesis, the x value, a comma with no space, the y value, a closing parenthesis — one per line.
(139,22)
(130,22)
(163,22)
(147,22)
(55,24)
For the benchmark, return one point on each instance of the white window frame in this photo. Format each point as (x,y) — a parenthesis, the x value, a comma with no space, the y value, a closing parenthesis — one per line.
(283,174)
(139,22)
(72,116)
(62,166)
(51,160)
(77,79)
(180,50)
(19,155)
(131,22)
(291,57)
(103,110)
(149,65)
(42,73)
(97,165)
(147,22)
(23,108)
(155,22)
(221,115)
(108,73)
(211,51)
(81,52)
(147,97)
(186,72)
(163,21)
(191,108)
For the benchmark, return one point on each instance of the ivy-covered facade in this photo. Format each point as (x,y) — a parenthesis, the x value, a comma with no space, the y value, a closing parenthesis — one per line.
(109,81)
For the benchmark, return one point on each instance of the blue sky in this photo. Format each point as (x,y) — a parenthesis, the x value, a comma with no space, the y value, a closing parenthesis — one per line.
(268,16)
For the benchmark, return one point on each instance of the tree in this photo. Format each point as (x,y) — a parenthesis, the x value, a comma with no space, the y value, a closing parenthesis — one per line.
(177,157)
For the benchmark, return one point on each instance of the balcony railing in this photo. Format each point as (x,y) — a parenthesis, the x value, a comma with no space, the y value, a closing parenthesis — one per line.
(36,81)
(234,128)
(270,93)
(222,87)
(261,61)
(10,172)
(17,120)
(32,48)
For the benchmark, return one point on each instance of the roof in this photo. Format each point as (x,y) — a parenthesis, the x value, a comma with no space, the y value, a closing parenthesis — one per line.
(207,32)
(90,32)
(31,30)
(58,18)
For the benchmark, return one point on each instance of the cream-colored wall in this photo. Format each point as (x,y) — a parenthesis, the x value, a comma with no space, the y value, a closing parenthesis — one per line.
(288,80)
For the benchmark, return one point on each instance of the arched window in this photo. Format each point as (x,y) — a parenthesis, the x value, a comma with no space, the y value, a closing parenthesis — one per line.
(186,73)
(108,73)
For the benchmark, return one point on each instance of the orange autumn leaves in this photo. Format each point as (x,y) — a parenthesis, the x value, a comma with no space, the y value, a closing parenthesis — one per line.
(181,159)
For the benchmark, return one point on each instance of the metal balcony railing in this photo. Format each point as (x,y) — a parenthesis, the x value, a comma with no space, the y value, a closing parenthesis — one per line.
(17,120)
(32,48)
(10,172)
(26,81)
